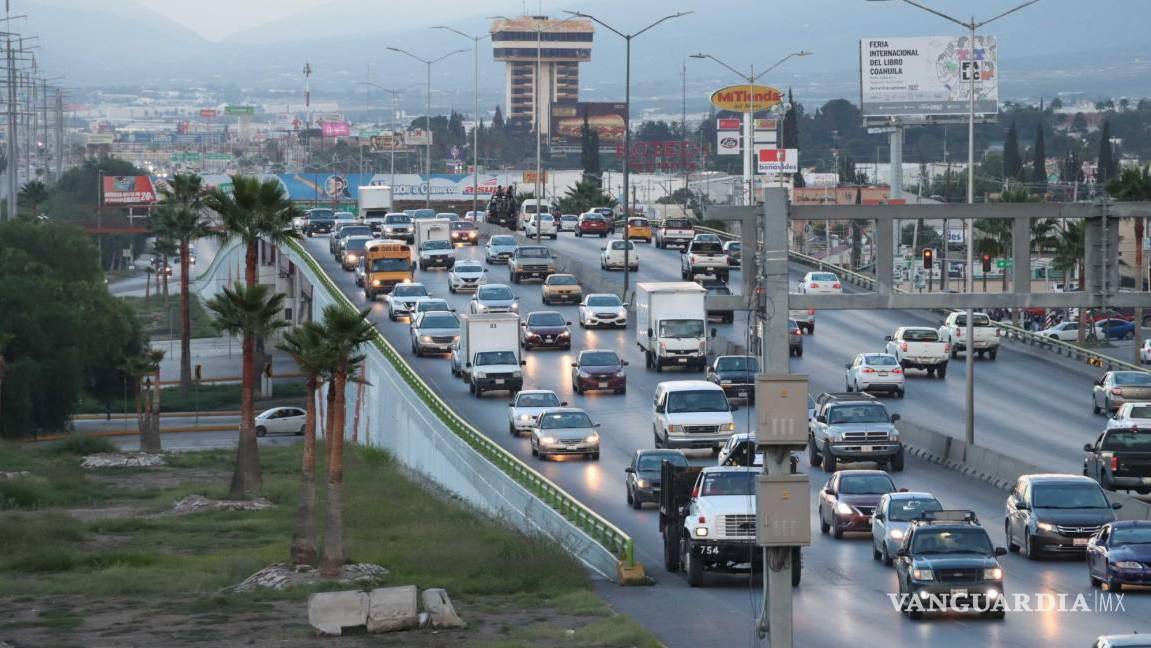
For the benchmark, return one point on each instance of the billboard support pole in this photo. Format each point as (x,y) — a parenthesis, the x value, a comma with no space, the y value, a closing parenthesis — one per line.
(896,193)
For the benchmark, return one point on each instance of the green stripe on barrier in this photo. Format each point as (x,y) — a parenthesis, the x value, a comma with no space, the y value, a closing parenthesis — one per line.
(599,529)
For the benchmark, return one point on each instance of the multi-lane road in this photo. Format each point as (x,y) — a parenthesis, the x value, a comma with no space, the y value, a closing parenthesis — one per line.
(1025,406)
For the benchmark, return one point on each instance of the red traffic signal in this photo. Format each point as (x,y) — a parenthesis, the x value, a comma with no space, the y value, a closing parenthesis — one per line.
(928,258)
(986,263)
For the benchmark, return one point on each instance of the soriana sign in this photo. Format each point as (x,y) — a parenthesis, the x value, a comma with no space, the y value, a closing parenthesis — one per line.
(128,190)
(745,98)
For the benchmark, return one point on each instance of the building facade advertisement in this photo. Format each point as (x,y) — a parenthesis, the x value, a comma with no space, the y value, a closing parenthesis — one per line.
(928,76)
(778,160)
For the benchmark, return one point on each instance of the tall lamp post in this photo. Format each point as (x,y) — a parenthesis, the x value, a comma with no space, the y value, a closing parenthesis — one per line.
(428,116)
(627,123)
(476,127)
(970,25)
(749,117)
(395,92)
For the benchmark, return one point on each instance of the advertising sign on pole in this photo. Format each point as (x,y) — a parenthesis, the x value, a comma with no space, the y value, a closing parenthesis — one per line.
(529,177)
(743,98)
(928,76)
(336,129)
(240,110)
(729,123)
(765,136)
(727,143)
(127,190)
(778,160)
(605,118)
(385,142)
(208,113)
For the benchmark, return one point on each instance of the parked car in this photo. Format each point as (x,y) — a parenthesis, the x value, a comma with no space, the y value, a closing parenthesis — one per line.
(644,474)
(1120,555)
(560,288)
(1115,388)
(1115,329)
(434,331)
(612,255)
(820,283)
(1064,331)
(280,420)
(599,370)
(565,431)
(602,310)
(877,372)
(527,406)
(545,329)
(466,276)
(849,498)
(1055,514)
(892,518)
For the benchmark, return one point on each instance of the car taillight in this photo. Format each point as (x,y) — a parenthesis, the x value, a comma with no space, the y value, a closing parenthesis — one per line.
(1116,391)
(836,286)
(903,347)
(1114,462)
(897,370)
(695,492)
(998,332)
(811,312)
(868,370)
(947,347)
(814,285)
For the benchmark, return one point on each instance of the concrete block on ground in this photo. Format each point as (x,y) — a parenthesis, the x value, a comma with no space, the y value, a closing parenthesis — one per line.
(393,608)
(331,612)
(440,610)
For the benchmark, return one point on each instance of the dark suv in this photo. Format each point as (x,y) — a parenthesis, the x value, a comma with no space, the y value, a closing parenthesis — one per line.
(1055,514)
(947,563)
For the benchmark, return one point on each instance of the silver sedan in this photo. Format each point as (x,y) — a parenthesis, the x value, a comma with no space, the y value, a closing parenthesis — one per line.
(565,431)
(434,332)
(875,372)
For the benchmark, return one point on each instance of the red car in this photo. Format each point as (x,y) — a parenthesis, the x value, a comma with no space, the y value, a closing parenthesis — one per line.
(593,224)
(599,370)
(849,498)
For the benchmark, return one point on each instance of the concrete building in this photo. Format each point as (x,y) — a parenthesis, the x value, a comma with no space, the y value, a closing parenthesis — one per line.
(561,45)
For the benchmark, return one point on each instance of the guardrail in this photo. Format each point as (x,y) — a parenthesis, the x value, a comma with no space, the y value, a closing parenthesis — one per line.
(1008,331)
(599,529)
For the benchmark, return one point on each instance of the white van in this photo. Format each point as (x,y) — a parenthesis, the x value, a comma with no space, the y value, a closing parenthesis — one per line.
(532,206)
(691,414)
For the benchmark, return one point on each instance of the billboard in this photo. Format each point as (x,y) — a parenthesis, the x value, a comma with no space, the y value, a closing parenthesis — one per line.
(778,160)
(418,137)
(208,112)
(745,98)
(336,129)
(667,156)
(727,143)
(383,142)
(100,138)
(928,76)
(127,190)
(607,119)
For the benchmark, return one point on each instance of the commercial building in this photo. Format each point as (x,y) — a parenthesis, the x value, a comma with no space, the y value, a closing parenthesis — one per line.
(561,45)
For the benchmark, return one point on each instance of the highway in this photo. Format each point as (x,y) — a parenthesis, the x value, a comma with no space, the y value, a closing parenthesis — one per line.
(1026,406)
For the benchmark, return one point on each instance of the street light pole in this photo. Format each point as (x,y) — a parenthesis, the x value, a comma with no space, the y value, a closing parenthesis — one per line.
(971,26)
(627,126)
(427,117)
(475,127)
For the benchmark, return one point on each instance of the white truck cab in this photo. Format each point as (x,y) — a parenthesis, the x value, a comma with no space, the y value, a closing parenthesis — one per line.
(691,414)
(954,331)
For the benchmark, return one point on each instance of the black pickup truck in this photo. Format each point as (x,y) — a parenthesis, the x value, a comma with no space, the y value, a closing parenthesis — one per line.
(1120,459)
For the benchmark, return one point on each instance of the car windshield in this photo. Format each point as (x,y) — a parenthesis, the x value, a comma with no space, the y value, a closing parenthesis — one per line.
(622,245)
(880,361)
(946,541)
(920,335)
(653,462)
(677,223)
(435,245)
(538,400)
(1131,535)
(559,420)
(709,400)
(599,359)
(1132,378)
(533,253)
(681,329)
(857,413)
(905,510)
(499,293)
(440,322)
(1140,412)
(569,217)
(738,363)
(604,300)
(979,320)
(728,483)
(463,225)
(505,241)
(707,247)
(1127,440)
(718,289)
(424,213)
(865,484)
(561,280)
(355,230)
(496,358)
(637,222)
(1068,496)
(390,265)
(356,244)
(397,219)
(592,217)
(546,319)
(468,268)
(823,276)
(321,214)
(409,290)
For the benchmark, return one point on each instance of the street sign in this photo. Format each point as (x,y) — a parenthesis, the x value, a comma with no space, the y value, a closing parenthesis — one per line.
(1003,264)
(240,110)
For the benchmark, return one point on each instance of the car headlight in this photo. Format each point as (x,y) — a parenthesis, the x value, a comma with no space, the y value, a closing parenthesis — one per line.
(584,374)
(565,334)
(515,307)
(675,429)
(352,258)
(592,438)
(843,508)
(1046,526)
(642,483)
(378,282)
(1128,564)
(479,374)
(425,338)
(547,440)
(701,532)
(621,312)
(727,427)
(896,534)
(525,417)
(922,574)
(994,573)
(620,374)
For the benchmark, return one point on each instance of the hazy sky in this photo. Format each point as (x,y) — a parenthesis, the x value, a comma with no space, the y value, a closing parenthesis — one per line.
(205,16)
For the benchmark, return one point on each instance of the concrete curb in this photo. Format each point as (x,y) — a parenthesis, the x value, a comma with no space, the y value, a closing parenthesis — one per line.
(120,417)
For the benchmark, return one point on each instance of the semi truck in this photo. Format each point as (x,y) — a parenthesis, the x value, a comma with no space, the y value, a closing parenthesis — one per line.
(487,355)
(375,203)
(671,321)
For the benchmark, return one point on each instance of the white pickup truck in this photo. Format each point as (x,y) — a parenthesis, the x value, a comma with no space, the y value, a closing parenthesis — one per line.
(674,232)
(954,331)
(919,347)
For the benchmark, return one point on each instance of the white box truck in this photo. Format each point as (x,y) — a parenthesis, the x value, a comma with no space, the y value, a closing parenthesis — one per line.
(487,355)
(434,243)
(671,324)
(375,203)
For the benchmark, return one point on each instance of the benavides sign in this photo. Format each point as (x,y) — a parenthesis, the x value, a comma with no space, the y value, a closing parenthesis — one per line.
(746,98)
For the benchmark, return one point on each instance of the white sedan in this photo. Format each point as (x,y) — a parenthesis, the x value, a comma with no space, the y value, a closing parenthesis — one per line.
(529,404)
(821,283)
(568,222)
(612,255)
(1131,415)
(602,309)
(1065,331)
(466,276)
(280,420)
(1145,352)
(875,372)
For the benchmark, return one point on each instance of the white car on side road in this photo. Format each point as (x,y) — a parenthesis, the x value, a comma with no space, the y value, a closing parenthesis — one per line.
(875,372)
(527,406)
(820,283)
(1131,415)
(280,420)
(1064,331)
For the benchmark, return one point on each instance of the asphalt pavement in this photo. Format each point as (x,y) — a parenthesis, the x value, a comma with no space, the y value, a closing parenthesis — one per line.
(1025,406)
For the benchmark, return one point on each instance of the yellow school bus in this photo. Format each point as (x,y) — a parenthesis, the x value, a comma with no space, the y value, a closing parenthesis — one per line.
(385,264)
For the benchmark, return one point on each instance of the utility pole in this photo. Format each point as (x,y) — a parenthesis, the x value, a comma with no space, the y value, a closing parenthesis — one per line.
(13,163)
(476,126)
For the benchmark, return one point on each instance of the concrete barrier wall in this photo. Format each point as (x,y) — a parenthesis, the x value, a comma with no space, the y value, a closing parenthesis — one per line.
(393,417)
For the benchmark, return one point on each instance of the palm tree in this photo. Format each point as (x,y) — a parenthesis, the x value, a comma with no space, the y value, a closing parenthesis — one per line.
(308,346)
(251,312)
(34,193)
(5,339)
(346,331)
(1068,257)
(254,210)
(180,219)
(145,372)
(165,248)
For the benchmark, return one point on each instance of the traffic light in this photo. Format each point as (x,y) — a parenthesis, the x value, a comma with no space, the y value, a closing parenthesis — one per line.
(986,263)
(928,258)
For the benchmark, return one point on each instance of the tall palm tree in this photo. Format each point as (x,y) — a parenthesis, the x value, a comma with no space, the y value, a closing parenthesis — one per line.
(1069,257)
(347,331)
(181,219)
(5,339)
(254,210)
(34,193)
(251,312)
(308,346)
(145,372)
(165,248)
